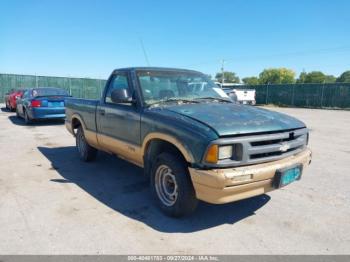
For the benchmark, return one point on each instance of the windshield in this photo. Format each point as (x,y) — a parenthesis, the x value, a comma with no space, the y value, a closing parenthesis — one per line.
(162,86)
(49,91)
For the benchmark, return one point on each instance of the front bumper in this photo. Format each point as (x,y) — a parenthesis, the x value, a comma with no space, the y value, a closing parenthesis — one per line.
(219,186)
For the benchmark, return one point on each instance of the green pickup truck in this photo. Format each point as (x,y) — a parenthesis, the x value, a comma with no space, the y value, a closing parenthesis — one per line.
(193,142)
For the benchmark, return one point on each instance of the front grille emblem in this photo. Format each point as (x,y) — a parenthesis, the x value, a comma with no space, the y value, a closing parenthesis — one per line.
(284,147)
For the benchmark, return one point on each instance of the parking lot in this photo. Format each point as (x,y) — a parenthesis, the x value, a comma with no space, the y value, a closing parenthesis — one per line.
(52,203)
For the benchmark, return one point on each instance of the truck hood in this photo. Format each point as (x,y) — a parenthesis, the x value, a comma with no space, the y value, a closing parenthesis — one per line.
(234,119)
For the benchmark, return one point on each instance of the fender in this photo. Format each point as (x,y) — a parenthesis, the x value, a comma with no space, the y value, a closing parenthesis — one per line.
(77,116)
(90,136)
(172,140)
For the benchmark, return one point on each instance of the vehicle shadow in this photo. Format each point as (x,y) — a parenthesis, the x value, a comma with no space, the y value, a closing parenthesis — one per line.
(4,109)
(20,122)
(122,187)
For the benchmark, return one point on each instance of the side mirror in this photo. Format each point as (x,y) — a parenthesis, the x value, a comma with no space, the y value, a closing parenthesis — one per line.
(121,95)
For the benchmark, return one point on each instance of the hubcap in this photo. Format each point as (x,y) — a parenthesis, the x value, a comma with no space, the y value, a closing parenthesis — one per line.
(166,186)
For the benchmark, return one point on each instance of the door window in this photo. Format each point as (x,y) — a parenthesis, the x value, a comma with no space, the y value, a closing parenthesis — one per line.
(26,94)
(119,81)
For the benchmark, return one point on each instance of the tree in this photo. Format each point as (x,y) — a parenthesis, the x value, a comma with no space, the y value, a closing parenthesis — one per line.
(229,77)
(330,79)
(315,77)
(301,79)
(277,76)
(253,80)
(319,77)
(344,77)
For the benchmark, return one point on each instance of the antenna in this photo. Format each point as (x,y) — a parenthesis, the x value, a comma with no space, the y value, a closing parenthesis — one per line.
(144,51)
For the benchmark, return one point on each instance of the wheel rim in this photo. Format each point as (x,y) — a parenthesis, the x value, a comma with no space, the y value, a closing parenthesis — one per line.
(166,185)
(81,143)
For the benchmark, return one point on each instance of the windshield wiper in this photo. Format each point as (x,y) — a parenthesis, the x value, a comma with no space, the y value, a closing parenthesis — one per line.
(174,100)
(179,100)
(215,98)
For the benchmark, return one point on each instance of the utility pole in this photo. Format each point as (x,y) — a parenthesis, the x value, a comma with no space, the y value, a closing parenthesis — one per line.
(222,72)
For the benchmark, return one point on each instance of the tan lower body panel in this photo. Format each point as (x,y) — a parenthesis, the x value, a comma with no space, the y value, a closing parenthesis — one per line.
(219,186)
(127,151)
(91,138)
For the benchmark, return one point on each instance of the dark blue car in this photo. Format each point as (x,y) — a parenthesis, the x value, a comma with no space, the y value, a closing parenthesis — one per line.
(42,103)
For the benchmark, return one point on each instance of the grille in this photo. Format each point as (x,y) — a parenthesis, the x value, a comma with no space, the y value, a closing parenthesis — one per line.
(275,146)
(266,147)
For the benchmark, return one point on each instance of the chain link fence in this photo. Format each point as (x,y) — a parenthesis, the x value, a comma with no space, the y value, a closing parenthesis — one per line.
(336,95)
(77,87)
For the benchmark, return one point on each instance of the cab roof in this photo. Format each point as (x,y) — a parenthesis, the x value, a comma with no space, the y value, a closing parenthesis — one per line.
(155,69)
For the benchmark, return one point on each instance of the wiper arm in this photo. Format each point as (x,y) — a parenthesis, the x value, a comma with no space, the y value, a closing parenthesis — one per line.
(174,100)
(179,100)
(215,98)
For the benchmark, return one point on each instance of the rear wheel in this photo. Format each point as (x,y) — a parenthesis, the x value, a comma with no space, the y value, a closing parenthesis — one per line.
(87,153)
(172,186)
(7,105)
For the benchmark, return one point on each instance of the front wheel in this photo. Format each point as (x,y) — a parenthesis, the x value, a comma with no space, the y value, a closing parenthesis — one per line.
(87,153)
(172,186)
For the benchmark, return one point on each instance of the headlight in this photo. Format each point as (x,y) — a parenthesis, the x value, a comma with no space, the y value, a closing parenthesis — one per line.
(216,153)
(225,152)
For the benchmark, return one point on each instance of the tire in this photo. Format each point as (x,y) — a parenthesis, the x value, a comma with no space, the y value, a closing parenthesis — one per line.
(86,152)
(27,119)
(171,186)
(17,114)
(7,106)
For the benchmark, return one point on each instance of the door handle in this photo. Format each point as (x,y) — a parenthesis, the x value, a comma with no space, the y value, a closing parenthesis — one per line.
(102,112)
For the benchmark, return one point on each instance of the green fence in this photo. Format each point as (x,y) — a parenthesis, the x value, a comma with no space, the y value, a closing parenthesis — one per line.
(297,95)
(77,87)
(335,95)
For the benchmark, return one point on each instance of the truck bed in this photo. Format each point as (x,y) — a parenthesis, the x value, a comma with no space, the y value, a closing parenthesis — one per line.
(85,108)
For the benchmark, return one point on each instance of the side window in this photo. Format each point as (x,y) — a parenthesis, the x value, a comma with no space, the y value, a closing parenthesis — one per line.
(25,94)
(119,81)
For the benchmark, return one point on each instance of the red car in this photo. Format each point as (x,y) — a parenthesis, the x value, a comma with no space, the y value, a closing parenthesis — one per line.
(11,99)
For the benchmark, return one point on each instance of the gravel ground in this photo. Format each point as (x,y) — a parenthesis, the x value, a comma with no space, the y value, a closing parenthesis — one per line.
(52,203)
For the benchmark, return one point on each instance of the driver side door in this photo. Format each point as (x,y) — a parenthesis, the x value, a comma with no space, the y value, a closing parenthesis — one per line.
(119,123)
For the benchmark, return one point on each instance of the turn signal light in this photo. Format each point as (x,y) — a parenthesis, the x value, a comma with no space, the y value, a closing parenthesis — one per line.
(212,154)
(36,103)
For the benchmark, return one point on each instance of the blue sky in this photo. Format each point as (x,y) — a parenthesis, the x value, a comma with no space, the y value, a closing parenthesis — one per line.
(91,38)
